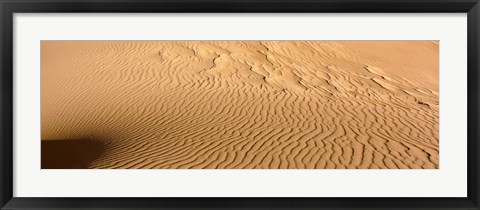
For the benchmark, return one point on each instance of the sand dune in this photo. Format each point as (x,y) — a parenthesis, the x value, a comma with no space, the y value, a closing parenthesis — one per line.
(243,104)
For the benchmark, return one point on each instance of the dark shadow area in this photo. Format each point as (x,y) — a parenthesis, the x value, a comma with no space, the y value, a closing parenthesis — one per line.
(70,154)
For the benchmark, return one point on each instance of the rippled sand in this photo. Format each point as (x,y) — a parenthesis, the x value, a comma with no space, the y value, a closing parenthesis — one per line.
(240,104)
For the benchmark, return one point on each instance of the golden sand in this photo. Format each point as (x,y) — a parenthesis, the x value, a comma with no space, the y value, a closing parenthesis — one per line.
(240,104)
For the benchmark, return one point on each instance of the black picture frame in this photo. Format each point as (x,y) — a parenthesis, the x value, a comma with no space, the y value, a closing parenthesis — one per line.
(9,7)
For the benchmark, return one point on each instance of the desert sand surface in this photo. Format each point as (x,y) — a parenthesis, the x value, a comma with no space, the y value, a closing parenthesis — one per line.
(240,104)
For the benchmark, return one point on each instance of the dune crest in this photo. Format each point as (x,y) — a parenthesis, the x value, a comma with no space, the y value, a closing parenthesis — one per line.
(245,104)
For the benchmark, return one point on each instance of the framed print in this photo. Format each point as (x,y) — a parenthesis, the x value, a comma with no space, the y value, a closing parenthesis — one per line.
(239,105)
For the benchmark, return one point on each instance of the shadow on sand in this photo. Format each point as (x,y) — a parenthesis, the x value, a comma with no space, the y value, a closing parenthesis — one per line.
(70,154)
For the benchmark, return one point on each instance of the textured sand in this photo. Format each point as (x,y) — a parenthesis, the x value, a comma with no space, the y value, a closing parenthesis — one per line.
(240,104)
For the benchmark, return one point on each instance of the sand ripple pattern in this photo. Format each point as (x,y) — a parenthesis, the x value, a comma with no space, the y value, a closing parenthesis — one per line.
(246,104)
